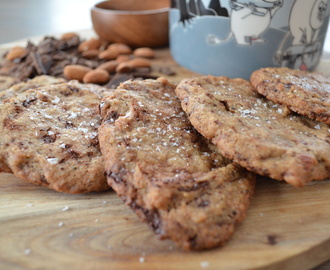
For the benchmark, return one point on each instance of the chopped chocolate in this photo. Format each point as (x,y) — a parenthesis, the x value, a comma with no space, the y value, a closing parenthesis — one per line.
(51,55)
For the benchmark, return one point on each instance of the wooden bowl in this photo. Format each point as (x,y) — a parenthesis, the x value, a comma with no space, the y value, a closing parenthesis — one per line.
(137,23)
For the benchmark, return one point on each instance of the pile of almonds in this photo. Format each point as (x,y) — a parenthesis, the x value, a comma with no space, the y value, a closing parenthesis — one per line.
(89,61)
(117,57)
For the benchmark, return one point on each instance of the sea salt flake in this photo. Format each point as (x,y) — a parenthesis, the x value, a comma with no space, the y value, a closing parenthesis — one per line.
(93,135)
(27,251)
(317,126)
(62,145)
(52,160)
(56,100)
(73,115)
(141,259)
(85,130)
(61,224)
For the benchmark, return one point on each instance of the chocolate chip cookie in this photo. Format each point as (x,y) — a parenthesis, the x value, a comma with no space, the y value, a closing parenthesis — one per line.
(49,137)
(264,137)
(17,88)
(303,92)
(171,176)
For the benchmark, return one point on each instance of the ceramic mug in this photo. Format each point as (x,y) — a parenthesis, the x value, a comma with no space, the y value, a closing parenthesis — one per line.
(235,37)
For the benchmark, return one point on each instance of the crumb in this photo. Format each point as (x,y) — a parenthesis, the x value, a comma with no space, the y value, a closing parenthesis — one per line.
(204,264)
(65,208)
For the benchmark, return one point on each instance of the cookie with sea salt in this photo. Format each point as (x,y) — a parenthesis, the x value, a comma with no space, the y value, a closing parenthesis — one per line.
(39,81)
(49,137)
(262,136)
(172,177)
(303,92)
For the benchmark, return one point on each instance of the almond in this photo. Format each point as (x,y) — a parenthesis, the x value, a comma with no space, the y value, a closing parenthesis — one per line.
(89,54)
(109,66)
(90,44)
(75,72)
(69,35)
(97,76)
(123,58)
(16,53)
(108,54)
(124,67)
(121,48)
(139,62)
(144,52)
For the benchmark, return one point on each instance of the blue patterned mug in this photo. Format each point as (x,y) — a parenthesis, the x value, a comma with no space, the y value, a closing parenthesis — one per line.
(235,37)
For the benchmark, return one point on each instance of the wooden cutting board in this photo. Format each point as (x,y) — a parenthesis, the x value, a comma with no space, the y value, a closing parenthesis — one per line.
(286,227)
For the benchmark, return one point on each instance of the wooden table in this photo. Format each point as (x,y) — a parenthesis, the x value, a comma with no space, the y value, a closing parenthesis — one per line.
(286,228)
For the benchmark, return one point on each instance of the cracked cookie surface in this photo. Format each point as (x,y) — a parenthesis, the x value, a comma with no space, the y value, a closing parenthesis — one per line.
(171,176)
(21,87)
(262,136)
(306,93)
(49,137)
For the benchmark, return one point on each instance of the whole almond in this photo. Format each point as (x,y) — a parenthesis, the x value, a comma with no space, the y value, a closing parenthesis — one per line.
(75,72)
(139,62)
(97,76)
(109,66)
(90,44)
(123,58)
(124,67)
(108,54)
(89,54)
(121,48)
(144,52)
(16,53)
(69,35)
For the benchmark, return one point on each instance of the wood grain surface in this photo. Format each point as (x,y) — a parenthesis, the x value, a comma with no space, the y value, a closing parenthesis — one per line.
(286,227)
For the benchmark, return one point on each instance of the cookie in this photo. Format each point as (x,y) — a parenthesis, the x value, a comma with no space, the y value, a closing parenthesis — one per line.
(303,92)
(49,137)
(171,176)
(262,136)
(36,82)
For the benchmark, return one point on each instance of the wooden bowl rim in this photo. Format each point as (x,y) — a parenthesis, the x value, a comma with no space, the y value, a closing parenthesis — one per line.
(96,8)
